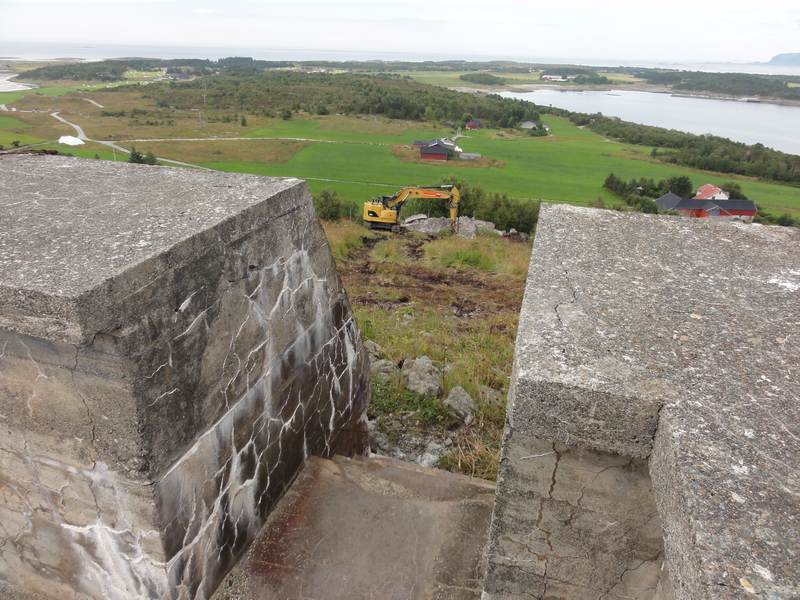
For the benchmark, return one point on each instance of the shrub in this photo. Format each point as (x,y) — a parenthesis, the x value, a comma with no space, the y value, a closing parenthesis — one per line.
(328,205)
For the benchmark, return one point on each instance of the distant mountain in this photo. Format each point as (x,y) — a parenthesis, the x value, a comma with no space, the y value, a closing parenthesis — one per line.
(791,58)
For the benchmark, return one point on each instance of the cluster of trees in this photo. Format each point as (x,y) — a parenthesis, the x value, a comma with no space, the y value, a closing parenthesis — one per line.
(707,152)
(734,84)
(138,158)
(482,78)
(505,212)
(580,75)
(284,92)
(113,70)
(649,188)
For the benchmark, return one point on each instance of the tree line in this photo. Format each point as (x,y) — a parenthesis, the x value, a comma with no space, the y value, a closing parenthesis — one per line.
(734,84)
(274,93)
(706,152)
(502,210)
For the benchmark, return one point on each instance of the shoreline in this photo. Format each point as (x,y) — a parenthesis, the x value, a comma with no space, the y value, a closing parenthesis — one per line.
(8,85)
(627,87)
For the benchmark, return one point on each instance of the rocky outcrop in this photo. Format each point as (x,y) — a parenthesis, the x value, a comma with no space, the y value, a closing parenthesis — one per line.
(173,345)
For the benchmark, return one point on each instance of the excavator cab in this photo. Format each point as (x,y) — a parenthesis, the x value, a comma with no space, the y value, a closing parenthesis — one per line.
(384,212)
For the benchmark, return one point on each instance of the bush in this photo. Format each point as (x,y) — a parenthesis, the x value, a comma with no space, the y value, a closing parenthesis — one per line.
(328,205)
(138,158)
(482,78)
(505,212)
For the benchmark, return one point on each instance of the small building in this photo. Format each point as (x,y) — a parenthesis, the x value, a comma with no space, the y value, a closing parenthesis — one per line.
(474,124)
(533,126)
(435,151)
(744,210)
(421,143)
(711,192)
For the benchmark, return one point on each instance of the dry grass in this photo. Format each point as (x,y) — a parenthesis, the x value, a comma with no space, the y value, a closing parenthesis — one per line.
(487,252)
(367,124)
(344,237)
(212,151)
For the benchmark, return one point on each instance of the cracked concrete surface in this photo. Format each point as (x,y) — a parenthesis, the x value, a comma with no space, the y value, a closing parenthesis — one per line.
(369,529)
(570,523)
(672,341)
(156,400)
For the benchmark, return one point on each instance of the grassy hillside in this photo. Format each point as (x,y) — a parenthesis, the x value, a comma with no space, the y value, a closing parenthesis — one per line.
(456,301)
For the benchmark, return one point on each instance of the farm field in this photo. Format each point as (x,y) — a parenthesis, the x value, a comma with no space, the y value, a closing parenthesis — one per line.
(357,156)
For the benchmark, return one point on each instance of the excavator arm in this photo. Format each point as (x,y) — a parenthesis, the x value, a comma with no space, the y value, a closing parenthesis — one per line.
(385,212)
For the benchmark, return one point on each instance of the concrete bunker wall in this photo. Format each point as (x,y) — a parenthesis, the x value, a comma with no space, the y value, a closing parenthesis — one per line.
(654,395)
(173,345)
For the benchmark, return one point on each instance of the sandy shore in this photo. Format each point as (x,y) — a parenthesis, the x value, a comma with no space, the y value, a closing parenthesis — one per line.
(7,85)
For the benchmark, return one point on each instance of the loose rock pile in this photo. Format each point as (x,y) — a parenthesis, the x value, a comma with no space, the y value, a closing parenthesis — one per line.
(422,377)
(468,227)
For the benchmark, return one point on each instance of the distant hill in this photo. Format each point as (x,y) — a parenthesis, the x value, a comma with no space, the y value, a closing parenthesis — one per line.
(791,58)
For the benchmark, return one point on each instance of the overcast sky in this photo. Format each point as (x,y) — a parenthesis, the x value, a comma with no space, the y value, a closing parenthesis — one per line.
(653,30)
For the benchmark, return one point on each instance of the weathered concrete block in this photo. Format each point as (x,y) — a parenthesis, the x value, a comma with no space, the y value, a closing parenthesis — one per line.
(673,340)
(173,345)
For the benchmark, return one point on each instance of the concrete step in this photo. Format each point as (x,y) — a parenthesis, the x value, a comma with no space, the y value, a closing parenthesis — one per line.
(369,528)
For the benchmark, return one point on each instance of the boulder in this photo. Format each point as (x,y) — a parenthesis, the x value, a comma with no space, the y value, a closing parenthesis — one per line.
(461,404)
(373,350)
(422,377)
(431,455)
(417,217)
(382,369)
(432,225)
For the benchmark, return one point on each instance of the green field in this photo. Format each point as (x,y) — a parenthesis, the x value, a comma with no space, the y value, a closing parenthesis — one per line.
(354,154)
(568,166)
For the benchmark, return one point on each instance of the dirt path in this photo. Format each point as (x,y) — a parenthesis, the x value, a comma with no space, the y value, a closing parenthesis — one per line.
(81,134)
(97,104)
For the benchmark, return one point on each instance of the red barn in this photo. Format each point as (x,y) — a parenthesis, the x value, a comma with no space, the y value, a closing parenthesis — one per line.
(474,124)
(437,151)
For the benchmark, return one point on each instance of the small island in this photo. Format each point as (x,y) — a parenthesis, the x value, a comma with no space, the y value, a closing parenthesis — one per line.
(787,59)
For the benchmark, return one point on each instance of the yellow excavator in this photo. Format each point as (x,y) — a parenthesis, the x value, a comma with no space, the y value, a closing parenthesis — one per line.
(384,212)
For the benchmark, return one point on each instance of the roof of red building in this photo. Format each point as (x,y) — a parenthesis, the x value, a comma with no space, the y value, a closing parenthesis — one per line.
(707,191)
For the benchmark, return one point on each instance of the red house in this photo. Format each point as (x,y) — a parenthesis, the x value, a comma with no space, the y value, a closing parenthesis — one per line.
(744,210)
(474,124)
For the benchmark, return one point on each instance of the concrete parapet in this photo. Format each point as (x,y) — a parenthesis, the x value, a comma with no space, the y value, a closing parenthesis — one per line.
(173,345)
(671,343)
